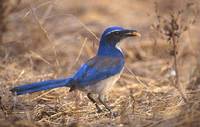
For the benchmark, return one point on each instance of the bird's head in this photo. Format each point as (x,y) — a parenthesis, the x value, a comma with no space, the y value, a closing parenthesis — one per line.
(115,34)
(110,37)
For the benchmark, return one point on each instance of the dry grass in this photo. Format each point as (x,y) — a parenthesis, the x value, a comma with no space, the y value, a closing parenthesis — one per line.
(50,39)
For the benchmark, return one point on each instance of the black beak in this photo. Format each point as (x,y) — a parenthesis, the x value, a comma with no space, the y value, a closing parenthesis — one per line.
(131,33)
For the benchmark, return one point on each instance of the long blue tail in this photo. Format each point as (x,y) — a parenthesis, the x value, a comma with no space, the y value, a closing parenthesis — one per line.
(40,86)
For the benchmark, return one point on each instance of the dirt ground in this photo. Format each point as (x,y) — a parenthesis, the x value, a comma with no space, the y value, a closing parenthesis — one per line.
(51,39)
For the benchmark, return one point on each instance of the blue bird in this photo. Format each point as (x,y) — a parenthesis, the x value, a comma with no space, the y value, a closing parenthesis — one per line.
(97,75)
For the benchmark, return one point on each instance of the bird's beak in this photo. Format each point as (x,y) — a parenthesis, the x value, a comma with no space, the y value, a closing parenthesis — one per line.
(136,34)
(131,33)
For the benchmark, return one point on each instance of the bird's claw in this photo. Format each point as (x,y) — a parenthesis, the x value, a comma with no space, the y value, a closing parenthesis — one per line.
(113,114)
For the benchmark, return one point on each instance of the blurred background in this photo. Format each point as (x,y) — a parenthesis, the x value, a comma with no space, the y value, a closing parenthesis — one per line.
(48,39)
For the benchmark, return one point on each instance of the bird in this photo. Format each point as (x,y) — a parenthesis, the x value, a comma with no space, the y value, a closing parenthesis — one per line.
(97,76)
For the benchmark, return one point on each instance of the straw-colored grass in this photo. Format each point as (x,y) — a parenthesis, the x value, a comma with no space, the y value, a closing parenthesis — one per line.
(51,39)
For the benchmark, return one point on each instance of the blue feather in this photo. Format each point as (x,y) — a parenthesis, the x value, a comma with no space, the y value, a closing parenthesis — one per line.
(39,86)
(97,69)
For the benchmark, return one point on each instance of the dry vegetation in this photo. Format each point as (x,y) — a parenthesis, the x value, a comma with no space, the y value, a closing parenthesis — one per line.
(160,86)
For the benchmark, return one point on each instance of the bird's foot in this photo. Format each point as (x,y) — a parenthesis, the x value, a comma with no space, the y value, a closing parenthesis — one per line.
(113,114)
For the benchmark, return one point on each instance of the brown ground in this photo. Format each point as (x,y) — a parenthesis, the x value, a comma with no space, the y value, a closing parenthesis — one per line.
(144,97)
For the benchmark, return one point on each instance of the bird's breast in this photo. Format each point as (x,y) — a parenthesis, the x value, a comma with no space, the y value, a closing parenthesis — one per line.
(103,86)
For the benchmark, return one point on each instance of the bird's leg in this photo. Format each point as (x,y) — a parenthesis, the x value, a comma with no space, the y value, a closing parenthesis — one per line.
(101,100)
(89,95)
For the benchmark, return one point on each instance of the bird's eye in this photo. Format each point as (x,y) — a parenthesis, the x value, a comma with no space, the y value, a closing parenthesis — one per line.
(116,33)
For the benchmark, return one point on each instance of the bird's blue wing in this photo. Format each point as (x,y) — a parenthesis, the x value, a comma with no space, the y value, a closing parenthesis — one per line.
(98,68)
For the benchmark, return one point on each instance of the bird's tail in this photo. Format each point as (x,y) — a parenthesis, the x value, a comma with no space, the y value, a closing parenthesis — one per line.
(40,86)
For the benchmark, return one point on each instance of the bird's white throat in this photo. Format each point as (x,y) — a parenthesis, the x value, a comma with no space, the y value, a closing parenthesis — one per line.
(118,47)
